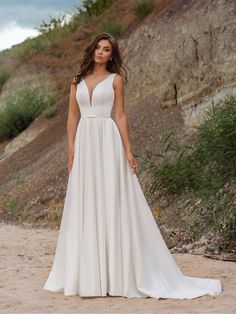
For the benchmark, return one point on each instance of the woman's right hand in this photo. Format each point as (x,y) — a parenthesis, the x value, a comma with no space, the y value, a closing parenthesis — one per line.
(70,159)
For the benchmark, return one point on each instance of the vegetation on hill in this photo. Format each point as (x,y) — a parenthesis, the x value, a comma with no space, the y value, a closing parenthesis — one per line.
(25,104)
(23,101)
(4,75)
(142,8)
(205,171)
(57,28)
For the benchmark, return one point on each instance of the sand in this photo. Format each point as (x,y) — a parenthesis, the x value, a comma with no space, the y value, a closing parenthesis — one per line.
(26,256)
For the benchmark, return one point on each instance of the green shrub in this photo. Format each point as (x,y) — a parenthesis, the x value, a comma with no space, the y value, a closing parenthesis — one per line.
(112,27)
(56,53)
(55,29)
(208,164)
(4,75)
(54,23)
(22,108)
(205,170)
(216,145)
(27,48)
(95,7)
(171,171)
(220,212)
(49,112)
(142,8)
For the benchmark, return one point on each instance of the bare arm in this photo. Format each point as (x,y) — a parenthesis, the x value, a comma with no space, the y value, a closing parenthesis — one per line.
(72,121)
(121,120)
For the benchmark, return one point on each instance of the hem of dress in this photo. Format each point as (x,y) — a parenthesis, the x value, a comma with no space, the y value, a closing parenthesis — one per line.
(145,295)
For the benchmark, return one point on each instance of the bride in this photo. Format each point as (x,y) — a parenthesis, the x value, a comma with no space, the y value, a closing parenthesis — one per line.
(109,242)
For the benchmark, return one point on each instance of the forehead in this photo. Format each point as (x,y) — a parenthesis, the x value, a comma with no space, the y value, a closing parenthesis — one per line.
(104,43)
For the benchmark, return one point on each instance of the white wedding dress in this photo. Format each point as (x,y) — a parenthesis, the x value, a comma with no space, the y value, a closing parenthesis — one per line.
(109,242)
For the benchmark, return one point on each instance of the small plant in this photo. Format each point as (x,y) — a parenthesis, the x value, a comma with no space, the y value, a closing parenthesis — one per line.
(56,53)
(11,207)
(112,27)
(54,29)
(95,7)
(17,175)
(4,75)
(221,211)
(171,171)
(53,24)
(217,214)
(49,112)
(142,8)
(22,108)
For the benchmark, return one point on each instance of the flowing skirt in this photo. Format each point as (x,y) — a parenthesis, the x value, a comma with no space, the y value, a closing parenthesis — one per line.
(109,241)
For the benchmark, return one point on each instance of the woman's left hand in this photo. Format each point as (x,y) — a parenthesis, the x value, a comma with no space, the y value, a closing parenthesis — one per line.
(132,161)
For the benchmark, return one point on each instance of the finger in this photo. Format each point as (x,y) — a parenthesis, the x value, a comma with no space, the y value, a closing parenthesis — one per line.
(134,168)
(69,166)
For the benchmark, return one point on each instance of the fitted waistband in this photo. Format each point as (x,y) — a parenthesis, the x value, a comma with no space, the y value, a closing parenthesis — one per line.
(91,115)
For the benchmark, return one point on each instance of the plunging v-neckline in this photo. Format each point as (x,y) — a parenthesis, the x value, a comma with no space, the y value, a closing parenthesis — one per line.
(91,97)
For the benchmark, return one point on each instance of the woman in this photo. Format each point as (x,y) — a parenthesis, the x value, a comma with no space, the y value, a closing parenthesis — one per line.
(109,242)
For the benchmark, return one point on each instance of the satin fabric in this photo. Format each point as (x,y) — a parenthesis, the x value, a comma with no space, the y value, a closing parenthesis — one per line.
(109,242)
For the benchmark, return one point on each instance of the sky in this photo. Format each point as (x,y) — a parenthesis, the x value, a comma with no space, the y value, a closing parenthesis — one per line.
(18,18)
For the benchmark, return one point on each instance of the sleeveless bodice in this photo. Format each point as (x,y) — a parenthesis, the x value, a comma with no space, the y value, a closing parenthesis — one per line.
(102,98)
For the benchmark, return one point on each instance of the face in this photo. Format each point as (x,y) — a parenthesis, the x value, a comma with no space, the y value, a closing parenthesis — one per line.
(103,51)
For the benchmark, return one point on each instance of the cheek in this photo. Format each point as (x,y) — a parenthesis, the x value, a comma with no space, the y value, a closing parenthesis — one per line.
(108,54)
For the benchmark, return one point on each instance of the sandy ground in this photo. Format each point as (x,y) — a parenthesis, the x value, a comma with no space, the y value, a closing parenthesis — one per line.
(26,257)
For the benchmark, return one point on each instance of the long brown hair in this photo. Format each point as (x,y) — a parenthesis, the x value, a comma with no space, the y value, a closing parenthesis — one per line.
(114,66)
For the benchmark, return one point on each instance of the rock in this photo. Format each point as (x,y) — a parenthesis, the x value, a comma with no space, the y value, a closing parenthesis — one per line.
(187,66)
(200,251)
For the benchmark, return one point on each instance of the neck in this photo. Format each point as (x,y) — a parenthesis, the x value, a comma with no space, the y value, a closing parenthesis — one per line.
(99,69)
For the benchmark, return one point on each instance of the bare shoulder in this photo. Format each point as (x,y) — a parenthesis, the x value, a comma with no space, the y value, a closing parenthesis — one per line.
(118,81)
(118,77)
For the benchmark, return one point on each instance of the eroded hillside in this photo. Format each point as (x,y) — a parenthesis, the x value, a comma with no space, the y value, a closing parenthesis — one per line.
(180,56)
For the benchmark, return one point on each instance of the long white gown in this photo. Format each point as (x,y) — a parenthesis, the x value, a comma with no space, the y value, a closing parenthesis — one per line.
(109,242)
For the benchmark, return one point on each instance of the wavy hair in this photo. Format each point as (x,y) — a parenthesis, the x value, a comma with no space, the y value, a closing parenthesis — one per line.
(114,66)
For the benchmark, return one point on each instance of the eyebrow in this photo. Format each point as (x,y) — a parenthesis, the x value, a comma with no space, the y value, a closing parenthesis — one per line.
(104,46)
